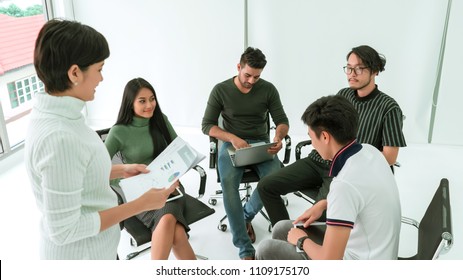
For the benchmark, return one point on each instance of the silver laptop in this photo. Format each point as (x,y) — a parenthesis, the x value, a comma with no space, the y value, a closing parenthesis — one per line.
(251,155)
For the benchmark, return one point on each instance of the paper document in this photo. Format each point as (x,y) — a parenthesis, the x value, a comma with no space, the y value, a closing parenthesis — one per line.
(170,165)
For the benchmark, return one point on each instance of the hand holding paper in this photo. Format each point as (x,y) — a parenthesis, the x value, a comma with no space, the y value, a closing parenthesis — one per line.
(169,166)
(130,170)
(157,198)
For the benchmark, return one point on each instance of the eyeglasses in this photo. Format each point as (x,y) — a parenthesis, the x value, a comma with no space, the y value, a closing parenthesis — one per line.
(358,70)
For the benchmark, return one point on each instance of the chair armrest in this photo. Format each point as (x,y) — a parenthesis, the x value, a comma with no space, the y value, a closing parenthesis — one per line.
(287,149)
(410,221)
(213,142)
(202,182)
(120,200)
(300,145)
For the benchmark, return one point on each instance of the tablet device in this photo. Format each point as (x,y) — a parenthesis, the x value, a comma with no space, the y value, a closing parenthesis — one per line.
(316,232)
(175,195)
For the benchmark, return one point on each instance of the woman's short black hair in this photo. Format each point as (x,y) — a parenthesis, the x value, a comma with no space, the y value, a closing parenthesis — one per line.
(63,43)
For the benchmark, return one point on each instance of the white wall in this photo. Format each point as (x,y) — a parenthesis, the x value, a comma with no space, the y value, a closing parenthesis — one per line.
(185,47)
(307,42)
(182,47)
(447,128)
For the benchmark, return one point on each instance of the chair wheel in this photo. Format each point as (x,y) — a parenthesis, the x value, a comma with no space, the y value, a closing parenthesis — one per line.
(212,201)
(222,227)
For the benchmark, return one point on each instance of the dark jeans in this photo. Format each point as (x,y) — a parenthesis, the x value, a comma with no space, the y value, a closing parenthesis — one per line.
(304,174)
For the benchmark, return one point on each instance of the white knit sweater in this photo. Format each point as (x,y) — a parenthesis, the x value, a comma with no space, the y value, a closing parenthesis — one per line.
(69,166)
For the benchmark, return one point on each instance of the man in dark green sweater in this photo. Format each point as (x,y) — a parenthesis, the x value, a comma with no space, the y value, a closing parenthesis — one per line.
(244,102)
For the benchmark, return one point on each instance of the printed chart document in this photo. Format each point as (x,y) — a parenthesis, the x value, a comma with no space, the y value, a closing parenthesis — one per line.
(170,165)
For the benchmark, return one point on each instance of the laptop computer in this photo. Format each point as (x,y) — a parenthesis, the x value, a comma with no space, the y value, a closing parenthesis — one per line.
(256,153)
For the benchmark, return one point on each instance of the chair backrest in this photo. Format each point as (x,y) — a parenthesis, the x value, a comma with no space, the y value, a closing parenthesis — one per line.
(435,229)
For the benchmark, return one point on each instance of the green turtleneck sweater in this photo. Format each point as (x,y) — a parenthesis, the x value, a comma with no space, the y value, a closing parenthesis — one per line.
(134,141)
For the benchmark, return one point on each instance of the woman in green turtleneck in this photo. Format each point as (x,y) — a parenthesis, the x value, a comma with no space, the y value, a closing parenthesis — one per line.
(140,134)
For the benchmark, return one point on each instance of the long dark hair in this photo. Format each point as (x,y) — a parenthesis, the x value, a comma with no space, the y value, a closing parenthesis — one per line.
(156,122)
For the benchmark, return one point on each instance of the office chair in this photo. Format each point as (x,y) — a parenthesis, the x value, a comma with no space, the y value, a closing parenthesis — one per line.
(249,176)
(435,228)
(308,195)
(139,233)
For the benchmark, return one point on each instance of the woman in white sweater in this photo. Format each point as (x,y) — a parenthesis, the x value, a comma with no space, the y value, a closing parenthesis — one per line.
(68,165)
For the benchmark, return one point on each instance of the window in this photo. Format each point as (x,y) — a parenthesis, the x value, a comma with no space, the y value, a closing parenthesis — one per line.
(21,20)
(23,90)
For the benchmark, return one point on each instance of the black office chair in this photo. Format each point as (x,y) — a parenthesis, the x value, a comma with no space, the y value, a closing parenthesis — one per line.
(435,229)
(249,176)
(139,233)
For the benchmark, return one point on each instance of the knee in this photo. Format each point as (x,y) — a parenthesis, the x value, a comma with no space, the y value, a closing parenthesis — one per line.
(264,250)
(167,219)
(264,183)
(281,229)
(268,185)
(230,180)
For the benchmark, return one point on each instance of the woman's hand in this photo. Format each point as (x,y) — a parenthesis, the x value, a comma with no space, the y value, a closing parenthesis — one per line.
(130,170)
(150,200)
(156,198)
(127,170)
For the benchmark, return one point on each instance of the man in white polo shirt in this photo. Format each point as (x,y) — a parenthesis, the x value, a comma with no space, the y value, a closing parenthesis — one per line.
(363,207)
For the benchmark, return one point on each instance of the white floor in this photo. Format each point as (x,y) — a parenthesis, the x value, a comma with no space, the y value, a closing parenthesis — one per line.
(422,168)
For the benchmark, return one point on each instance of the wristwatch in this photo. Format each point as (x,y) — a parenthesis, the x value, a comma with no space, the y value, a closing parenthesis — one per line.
(300,242)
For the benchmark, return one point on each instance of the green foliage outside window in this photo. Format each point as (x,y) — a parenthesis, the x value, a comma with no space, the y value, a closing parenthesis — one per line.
(14,11)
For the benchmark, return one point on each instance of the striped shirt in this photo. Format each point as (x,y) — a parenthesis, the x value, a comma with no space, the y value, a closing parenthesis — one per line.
(381,120)
(69,167)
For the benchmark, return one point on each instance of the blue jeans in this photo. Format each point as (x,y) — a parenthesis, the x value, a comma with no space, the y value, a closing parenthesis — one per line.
(238,215)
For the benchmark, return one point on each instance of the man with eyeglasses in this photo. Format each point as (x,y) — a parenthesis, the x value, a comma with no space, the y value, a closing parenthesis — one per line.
(380,125)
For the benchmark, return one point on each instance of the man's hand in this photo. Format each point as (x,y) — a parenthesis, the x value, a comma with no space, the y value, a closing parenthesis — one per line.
(312,214)
(277,147)
(239,143)
(294,234)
